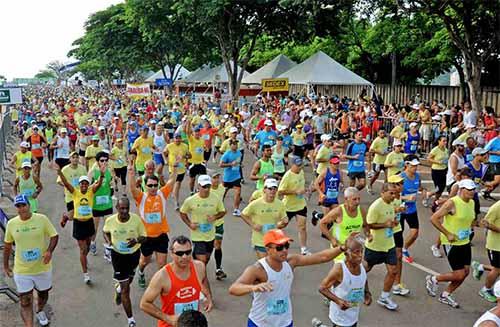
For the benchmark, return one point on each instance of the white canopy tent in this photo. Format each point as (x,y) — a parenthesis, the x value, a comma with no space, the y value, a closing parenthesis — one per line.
(159,74)
(279,65)
(208,75)
(195,75)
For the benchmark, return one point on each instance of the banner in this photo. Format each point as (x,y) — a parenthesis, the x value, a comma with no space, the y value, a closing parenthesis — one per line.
(163,82)
(138,90)
(11,96)
(274,84)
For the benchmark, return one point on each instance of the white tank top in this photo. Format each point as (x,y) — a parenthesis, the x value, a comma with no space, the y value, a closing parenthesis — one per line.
(64,151)
(274,309)
(159,143)
(488,315)
(351,289)
(450,179)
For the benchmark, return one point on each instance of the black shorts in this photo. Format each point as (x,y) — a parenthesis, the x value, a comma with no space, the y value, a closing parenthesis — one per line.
(377,257)
(492,171)
(155,244)
(180,177)
(39,159)
(459,256)
(398,239)
(203,247)
(83,230)
(317,138)
(70,205)
(197,169)
(494,257)
(302,212)
(140,172)
(102,213)
(121,173)
(357,175)
(298,151)
(62,162)
(81,153)
(309,147)
(236,183)
(207,154)
(411,219)
(378,167)
(439,179)
(124,265)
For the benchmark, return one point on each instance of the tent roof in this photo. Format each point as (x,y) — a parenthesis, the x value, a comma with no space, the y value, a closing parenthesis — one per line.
(320,69)
(272,69)
(159,74)
(206,74)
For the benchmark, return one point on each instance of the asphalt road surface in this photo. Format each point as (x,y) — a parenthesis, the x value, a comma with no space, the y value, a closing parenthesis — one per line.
(72,303)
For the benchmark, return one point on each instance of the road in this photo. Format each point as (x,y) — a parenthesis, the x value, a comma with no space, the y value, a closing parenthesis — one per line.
(72,303)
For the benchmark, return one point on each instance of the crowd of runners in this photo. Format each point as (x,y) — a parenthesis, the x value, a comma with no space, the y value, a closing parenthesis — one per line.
(109,150)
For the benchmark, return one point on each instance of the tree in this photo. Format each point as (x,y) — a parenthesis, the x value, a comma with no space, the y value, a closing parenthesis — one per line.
(45,73)
(56,67)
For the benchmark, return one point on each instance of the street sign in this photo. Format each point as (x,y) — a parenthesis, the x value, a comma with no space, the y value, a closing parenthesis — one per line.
(11,96)
(274,84)
(163,82)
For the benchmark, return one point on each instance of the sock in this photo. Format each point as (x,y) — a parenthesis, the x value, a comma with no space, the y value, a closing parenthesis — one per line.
(485,289)
(480,267)
(445,294)
(434,279)
(119,288)
(218,258)
(384,295)
(141,272)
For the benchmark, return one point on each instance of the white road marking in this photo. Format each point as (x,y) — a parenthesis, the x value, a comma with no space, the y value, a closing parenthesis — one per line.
(423,268)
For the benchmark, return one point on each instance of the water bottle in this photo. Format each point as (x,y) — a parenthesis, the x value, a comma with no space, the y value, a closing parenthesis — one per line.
(317,323)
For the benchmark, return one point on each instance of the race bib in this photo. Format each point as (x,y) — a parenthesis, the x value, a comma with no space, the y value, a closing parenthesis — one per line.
(277,307)
(84,210)
(401,164)
(63,152)
(31,255)
(268,227)
(153,217)
(205,228)
(123,247)
(74,181)
(300,196)
(388,232)
(358,163)
(146,150)
(279,164)
(413,147)
(469,157)
(299,142)
(35,146)
(28,192)
(198,150)
(101,199)
(206,137)
(235,168)
(463,234)
(179,308)
(332,194)
(119,161)
(398,217)
(356,296)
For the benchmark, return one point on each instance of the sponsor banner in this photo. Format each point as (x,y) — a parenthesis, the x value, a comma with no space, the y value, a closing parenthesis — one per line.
(138,90)
(274,84)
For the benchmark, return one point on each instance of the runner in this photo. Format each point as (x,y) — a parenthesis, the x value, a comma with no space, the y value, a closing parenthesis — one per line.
(438,157)
(278,157)
(491,318)
(61,145)
(143,147)
(177,153)
(35,239)
(219,190)
(91,152)
(160,141)
(395,160)
(21,156)
(181,286)
(263,168)
(412,139)
(380,148)
(119,163)
(231,162)
(355,153)
(38,144)
(29,185)
(458,215)
(125,232)
(72,172)
(328,184)
(205,208)
(270,280)
(455,163)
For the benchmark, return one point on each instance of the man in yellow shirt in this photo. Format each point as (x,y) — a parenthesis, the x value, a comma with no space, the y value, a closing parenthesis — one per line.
(380,246)
(92,150)
(177,152)
(380,147)
(196,150)
(143,147)
(395,161)
(35,238)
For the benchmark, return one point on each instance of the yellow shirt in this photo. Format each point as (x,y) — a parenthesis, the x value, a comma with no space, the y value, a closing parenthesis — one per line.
(83,204)
(381,145)
(397,159)
(219,191)
(323,153)
(463,136)
(293,182)
(255,195)
(196,150)
(199,208)
(144,149)
(460,222)
(493,217)
(121,232)
(225,146)
(32,238)
(265,214)
(20,158)
(72,175)
(440,155)
(120,157)
(298,139)
(177,152)
(397,203)
(380,212)
(90,154)
(398,132)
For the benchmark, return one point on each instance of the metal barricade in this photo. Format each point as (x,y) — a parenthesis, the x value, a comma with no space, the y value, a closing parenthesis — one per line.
(5,134)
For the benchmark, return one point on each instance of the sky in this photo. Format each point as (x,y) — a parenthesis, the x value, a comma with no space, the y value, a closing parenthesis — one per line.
(36,32)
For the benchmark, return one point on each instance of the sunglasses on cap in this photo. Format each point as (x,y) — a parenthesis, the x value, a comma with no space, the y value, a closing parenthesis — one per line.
(281,247)
(206,186)
(152,185)
(183,253)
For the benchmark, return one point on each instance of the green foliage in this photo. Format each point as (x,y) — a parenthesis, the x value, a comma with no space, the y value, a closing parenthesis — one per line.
(46,73)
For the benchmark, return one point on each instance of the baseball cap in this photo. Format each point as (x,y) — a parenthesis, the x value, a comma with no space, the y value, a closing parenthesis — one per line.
(414,106)
(177,135)
(196,129)
(95,138)
(470,126)
(216,173)
(269,115)
(413,162)
(74,153)
(297,161)
(276,236)
(35,127)
(335,160)
(267,122)
(83,178)
(395,179)
(233,130)
(24,144)
(458,142)
(64,130)
(467,183)
(413,124)
(397,142)
(326,137)
(479,152)
(26,164)
(131,122)
(270,182)
(21,199)
(102,128)
(204,180)
(298,126)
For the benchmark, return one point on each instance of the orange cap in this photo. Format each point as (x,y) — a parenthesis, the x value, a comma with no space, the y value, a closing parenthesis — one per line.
(276,236)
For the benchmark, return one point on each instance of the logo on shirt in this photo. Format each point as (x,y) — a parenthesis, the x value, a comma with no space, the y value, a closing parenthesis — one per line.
(186,292)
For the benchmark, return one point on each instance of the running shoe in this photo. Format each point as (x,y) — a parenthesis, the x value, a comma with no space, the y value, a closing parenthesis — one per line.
(407,257)
(177,207)
(141,280)
(107,254)
(387,302)
(64,219)
(400,289)
(93,248)
(220,274)
(431,285)
(237,212)
(118,295)
(448,299)
(42,318)
(132,323)
(425,202)
(487,295)
(369,190)
(86,278)
(476,272)
(435,251)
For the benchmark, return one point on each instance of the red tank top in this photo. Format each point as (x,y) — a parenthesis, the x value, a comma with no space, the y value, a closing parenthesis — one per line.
(183,295)
(36,145)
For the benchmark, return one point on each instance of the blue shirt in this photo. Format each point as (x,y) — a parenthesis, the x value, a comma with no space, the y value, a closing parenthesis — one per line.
(410,187)
(287,141)
(231,174)
(494,145)
(356,165)
(265,137)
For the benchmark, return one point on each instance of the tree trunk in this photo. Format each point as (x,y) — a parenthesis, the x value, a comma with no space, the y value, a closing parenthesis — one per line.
(473,77)
(463,83)
(394,63)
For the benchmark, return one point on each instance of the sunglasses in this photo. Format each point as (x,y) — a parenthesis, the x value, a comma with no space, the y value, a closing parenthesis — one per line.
(103,160)
(281,247)
(152,185)
(20,205)
(206,186)
(182,253)
(274,188)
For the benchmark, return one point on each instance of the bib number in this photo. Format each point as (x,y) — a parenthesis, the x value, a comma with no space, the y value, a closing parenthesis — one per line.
(84,210)
(277,307)
(74,181)
(35,146)
(268,227)
(153,218)
(146,150)
(388,232)
(358,163)
(205,228)
(279,164)
(28,192)
(101,199)
(206,137)
(332,194)
(31,255)
(463,234)
(356,296)
(199,150)
(179,308)
(413,147)
(123,247)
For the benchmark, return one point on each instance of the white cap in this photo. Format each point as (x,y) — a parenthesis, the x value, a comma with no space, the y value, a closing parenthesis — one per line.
(24,144)
(269,115)
(204,117)
(226,116)
(470,126)
(26,164)
(204,180)
(413,162)
(413,124)
(233,130)
(479,151)
(397,142)
(268,122)
(326,137)
(83,178)
(414,106)
(270,182)
(496,289)
(467,183)
(64,130)
(102,128)
(436,118)
(319,109)
(131,122)
(458,142)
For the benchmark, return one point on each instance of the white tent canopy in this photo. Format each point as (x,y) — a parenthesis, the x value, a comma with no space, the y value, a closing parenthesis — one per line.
(217,74)
(159,74)
(320,69)
(272,69)
(196,75)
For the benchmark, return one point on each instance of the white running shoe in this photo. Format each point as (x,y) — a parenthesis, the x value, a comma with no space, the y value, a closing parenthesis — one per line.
(448,299)
(387,302)
(400,289)
(86,278)
(431,285)
(435,251)
(237,212)
(42,318)
(93,248)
